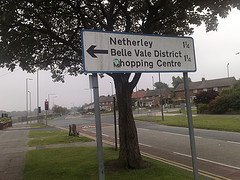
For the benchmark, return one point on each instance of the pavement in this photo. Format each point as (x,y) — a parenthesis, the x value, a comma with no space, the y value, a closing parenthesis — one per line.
(13,148)
(13,143)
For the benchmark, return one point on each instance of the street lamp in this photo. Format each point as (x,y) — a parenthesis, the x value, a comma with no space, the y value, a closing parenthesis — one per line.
(27,98)
(90,93)
(114,118)
(38,108)
(228,64)
(160,88)
(30,101)
(53,99)
(228,69)
(112,87)
(49,99)
(153,82)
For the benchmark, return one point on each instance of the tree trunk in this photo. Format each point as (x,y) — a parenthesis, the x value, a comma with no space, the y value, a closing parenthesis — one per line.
(73,130)
(129,155)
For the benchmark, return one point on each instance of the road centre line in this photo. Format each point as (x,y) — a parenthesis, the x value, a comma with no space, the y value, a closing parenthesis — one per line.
(105,135)
(143,129)
(226,165)
(233,142)
(179,134)
(176,134)
(144,144)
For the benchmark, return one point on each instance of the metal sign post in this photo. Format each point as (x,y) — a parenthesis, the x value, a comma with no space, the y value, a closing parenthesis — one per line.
(115,52)
(98,126)
(115,122)
(190,126)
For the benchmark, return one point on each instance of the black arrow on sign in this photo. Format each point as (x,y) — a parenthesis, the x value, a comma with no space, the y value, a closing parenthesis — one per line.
(92,51)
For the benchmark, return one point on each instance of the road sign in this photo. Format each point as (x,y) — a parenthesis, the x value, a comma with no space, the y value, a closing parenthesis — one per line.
(114,52)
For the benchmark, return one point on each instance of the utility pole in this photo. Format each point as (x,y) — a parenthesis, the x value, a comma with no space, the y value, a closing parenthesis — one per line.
(160,88)
(27,98)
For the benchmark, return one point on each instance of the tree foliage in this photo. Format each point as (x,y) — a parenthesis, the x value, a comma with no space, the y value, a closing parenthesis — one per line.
(46,34)
(39,34)
(159,85)
(60,110)
(177,80)
(205,97)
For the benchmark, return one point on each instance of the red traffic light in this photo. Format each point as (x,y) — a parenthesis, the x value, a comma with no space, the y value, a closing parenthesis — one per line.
(46,105)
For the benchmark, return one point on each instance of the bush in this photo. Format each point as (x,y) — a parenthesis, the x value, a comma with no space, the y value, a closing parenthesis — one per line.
(219,105)
(202,108)
(205,97)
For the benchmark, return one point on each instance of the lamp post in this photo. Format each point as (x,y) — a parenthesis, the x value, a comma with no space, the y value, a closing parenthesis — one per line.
(112,87)
(153,82)
(114,118)
(228,72)
(49,99)
(38,108)
(53,99)
(228,69)
(160,87)
(30,101)
(90,93)
(27,98)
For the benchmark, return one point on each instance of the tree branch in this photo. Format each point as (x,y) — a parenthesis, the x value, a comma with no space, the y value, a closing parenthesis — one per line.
(135,80)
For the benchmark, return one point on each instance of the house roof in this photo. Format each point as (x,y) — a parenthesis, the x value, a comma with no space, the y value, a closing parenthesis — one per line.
(155,92)
(138,94)
(222,82)
(103,99)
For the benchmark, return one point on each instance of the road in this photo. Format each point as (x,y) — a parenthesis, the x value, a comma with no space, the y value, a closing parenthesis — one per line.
(213,147)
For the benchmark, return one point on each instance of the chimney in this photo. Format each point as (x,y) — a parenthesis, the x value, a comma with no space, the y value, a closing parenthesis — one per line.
(203,79)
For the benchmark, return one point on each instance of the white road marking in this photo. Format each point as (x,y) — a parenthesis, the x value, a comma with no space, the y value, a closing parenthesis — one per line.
(226,165)
(180,134)
(175,134)
(105,135)
(144,129)
(233,142)
(144,145)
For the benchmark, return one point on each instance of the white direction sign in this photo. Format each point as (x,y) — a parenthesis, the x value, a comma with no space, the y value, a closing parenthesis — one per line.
(112,52)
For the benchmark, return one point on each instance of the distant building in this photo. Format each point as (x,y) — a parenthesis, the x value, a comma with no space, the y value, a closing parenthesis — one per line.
(204,85)
(139,97)
(106,103)
(88,107)
(151,98)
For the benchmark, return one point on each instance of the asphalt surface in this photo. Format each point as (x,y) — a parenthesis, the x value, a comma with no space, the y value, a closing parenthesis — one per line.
(218,152)
(216,149)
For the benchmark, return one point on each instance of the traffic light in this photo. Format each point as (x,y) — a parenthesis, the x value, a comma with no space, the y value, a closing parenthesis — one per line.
(39,109)
(46,105)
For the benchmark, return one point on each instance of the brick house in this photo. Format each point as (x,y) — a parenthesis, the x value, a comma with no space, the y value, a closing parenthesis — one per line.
(204,85)
(139,97)
(106,103)
(151,98)
(89,107)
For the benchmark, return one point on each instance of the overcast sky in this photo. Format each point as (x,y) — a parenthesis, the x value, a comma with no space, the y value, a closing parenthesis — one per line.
(214,50)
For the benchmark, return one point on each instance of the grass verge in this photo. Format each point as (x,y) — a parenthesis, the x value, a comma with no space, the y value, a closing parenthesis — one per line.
(203,122)
(39,134)
(39,125)
(57,140)
(81,163)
